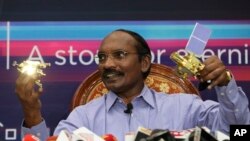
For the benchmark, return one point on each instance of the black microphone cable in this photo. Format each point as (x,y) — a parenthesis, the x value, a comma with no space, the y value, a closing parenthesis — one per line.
(129,111)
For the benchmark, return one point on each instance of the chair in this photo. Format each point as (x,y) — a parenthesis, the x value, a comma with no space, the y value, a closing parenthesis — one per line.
(161,78)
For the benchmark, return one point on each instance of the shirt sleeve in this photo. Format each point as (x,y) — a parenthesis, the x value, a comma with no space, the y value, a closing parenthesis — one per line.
(232,108)
(76,119)
(41,131)
(233,104)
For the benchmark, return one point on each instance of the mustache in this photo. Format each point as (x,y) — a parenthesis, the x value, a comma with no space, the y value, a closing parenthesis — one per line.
(107,72)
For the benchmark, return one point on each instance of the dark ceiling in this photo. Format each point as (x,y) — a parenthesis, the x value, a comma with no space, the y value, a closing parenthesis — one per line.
(27,10)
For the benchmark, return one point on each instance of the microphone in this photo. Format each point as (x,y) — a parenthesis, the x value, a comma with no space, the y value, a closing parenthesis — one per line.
(221,136)
(142,133)
(129,108)
(80,134)
(200,134)
(52,138)
(85,134)
(30,137)
(160,135)
(64,135)
(109,137)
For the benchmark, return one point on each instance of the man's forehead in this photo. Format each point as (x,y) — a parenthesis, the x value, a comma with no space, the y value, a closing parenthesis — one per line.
(119,35)
(118,39)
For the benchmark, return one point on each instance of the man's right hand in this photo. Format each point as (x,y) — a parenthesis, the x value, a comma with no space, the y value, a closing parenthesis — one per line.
(29,98)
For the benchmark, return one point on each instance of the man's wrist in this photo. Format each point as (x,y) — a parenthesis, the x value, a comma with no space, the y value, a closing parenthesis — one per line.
(29,124)
(32,119)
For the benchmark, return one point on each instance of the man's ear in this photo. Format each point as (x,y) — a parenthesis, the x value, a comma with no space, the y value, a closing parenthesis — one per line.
(145,63)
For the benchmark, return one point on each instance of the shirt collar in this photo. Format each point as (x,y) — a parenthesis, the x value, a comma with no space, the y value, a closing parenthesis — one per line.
(110,99)
(146,94)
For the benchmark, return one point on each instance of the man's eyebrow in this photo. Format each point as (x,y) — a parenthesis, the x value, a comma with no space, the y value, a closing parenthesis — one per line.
(100,52)
(113,50)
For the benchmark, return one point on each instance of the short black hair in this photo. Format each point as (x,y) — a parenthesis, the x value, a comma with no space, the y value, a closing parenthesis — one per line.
(142,47)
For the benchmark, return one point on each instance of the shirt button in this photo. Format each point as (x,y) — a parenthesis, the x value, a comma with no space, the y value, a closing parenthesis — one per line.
(38,134)
(222,94)
(230,91)
(236,110)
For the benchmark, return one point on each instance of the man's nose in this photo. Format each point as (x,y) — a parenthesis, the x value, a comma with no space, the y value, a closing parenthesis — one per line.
(109,62)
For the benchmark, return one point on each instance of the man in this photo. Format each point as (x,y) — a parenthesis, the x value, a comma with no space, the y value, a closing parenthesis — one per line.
(124,62)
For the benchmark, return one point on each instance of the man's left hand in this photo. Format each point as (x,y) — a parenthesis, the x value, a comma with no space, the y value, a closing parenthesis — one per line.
(215,72)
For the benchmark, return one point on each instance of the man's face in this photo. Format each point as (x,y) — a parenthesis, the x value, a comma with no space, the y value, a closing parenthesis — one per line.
(119,64)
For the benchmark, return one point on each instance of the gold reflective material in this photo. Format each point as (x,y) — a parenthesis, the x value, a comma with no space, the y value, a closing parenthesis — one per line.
(229,76)
(188,65)
(32,69)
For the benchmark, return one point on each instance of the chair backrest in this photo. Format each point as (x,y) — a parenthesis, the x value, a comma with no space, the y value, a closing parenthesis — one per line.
(161,78)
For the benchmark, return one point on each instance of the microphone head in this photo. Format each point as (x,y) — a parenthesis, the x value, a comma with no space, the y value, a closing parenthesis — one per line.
(142,133)
(52,138)
(155,131)
(30,137)
(129,108)
(109,137)
(201,134)
(160,135)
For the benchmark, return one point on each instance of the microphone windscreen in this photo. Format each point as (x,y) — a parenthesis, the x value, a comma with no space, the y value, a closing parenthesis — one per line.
(160,135)
(52,138)
(201,134)
(85,134)
(142,133)
(129,108)
(64,135)
(30,137)
(130,136)
(109,137)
